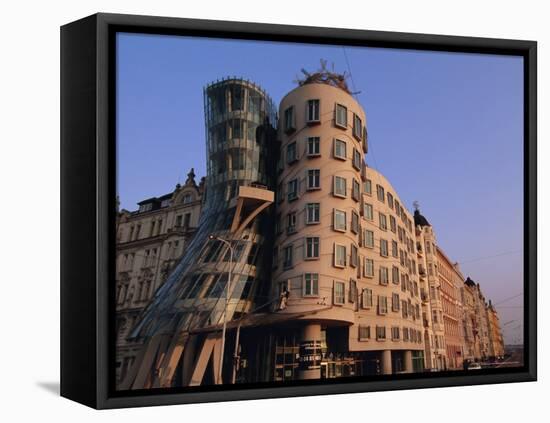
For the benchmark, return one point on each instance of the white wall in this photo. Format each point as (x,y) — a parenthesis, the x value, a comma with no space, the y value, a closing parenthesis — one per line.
(29,175)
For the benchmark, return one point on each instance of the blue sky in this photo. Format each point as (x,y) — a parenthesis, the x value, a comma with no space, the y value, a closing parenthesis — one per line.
(446,129)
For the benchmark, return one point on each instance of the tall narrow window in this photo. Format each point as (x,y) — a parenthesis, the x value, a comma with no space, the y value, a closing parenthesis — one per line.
(339,255)
(390,201)
(383,221)
(395,275)
(367,298)
(339,188)
(357,127)
(355,190)
(384,247)
(291,155)
(288,251)
(292,189)
(383,275)
(313,179)
(395,302)
(339,292)
(313,111)
(354,222)
(368,270)
(312,213)
(354,259)
(367,187)
(368,211)
(312,247)
(291,223)
(290,124)
(339,220)
(356,159)
(380,193)
(368,237)
(394,249)
(340,149)
(393,225)
(311,285)
(341,116)
(313,146)
(382,304)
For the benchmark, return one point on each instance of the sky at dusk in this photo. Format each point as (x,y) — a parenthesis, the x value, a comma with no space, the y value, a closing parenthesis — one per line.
(446,129)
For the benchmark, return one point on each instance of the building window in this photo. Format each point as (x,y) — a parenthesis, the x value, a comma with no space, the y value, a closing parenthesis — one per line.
(292,190)
(368,270)
(395,302)
(384,248)
(394,249)
(368,211)
(339,255)
(354,259)
(313,146)
(383,275)
(395,333)
(291,156)
(404,309)
(382,304)
(354,222)
(383,221)
(186,220)
(367,187)
(291,223)
(352,291)
(357,127)
(312,213)
(380,193)
(369,238)
(406,334)
(341,116)
(356,159)
(339,292)
(313,179)
(312,247)
(339,186)
(381,333)
(340,149)
(390,201)
(367,298)
(364,333)
(393,225)
(355,190)
(395,275)
(290,124)
(311,285)
(313,111)
(288,251)
(339,220)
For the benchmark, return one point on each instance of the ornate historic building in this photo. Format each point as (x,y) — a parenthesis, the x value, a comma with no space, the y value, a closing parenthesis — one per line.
(150,241)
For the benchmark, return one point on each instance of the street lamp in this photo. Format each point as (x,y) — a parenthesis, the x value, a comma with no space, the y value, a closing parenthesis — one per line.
(215,237)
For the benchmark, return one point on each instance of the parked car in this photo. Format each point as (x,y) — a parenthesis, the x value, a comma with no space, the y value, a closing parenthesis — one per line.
(474,366)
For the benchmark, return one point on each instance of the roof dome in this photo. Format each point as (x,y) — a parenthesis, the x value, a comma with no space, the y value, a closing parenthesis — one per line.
(420,220)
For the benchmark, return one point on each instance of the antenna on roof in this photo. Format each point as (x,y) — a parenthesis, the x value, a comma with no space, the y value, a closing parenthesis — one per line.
(416,205)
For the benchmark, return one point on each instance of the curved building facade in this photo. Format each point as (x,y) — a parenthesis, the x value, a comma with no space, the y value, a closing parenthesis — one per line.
(344,256)
(232,238)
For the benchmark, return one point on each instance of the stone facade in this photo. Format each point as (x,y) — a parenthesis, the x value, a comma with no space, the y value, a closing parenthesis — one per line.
(150,241)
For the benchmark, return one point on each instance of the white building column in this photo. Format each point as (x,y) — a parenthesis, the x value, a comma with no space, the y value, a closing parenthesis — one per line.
(310,352)
(407,361)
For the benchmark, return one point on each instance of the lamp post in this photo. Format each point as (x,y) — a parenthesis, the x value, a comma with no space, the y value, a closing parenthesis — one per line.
(215,237)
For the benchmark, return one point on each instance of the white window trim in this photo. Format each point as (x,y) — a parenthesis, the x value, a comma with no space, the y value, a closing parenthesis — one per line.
(335,263)
(314,222)
(334,193)
(309,188)
(343,285)
(318,248)
(308,154)
(334,220)
(336,123)
(336,156)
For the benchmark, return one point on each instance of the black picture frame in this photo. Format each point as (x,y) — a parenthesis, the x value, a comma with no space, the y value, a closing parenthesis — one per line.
(88,204)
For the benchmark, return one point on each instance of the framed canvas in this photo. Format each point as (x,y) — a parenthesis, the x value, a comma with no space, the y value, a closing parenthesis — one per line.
(259,211)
